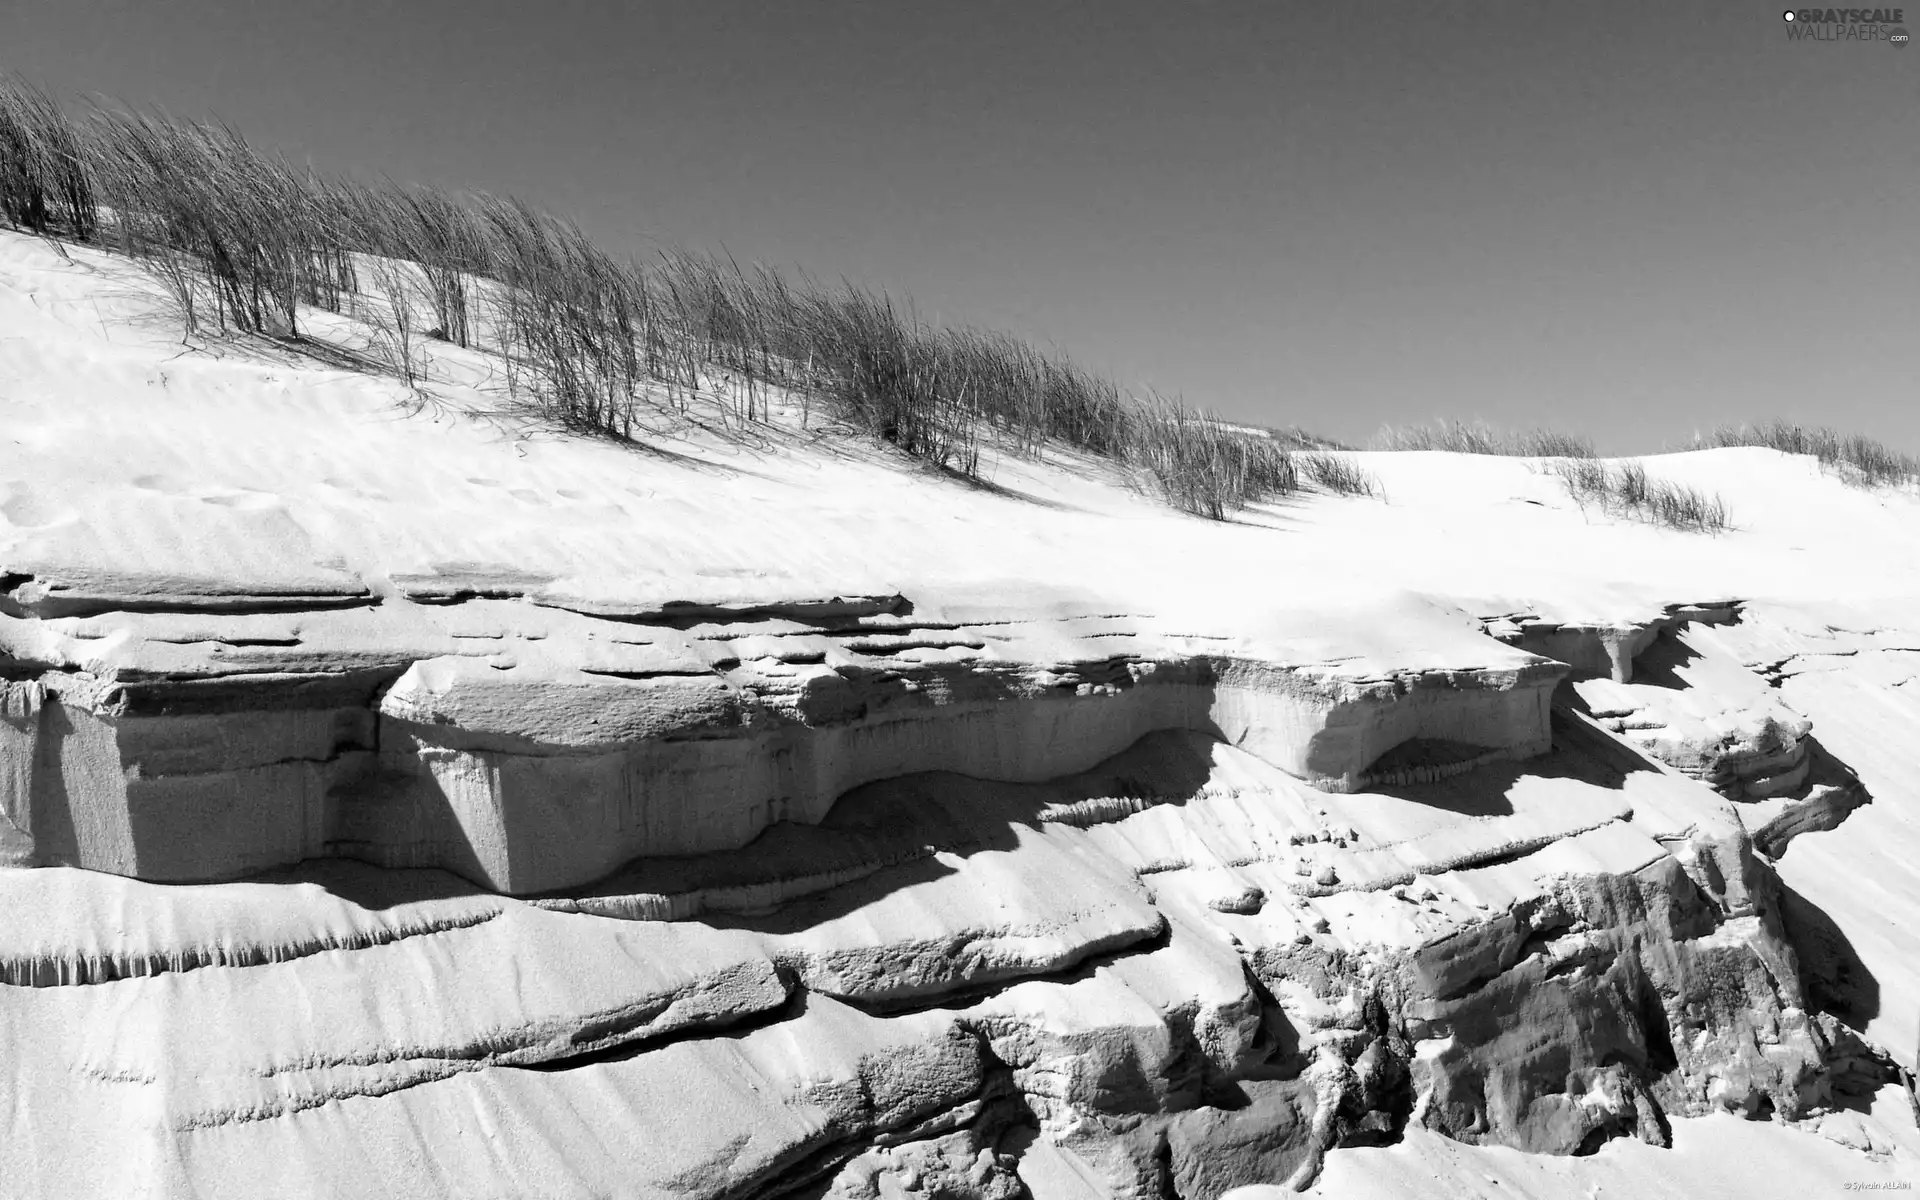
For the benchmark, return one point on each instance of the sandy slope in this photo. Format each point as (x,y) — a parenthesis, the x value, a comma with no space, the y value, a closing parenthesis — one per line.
(131,455)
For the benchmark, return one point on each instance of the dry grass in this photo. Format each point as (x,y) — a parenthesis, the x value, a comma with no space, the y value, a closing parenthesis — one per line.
(1295,438)
(241,240)
(1624,489)
(1463,438)
(1336,473)
(1199,466)
(45,184)
(1860,461)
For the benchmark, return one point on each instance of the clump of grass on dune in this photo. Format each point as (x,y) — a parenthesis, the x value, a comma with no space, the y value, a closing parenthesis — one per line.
(1337,473)
(1295,438)
(1625,489)
(232,233)
(1858,460)
(1461,437)
(45,185)
(1200,467)
(241,241)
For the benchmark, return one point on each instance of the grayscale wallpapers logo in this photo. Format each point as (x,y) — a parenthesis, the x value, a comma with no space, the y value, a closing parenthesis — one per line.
(1847,25)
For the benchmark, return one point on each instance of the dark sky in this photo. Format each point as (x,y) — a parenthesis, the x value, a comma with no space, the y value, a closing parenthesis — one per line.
(1626,219)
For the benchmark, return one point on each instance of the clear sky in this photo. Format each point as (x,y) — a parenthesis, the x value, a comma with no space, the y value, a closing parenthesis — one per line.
(1625,219)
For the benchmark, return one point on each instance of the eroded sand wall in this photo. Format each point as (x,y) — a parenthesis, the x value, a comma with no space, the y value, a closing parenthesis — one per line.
(687,764)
